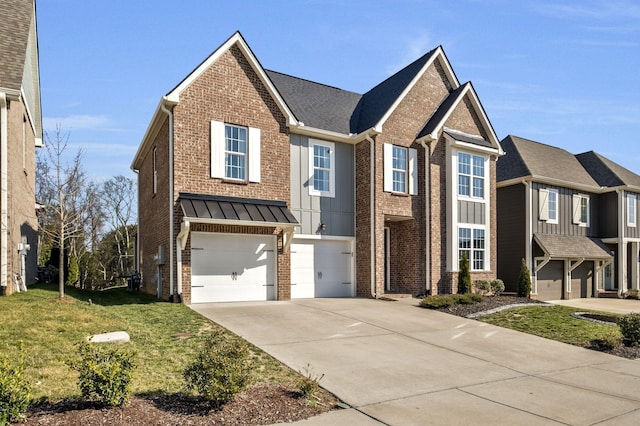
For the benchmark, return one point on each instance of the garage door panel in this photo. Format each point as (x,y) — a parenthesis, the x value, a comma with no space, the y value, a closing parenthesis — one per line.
(550,281)
(229,268)
(321,269)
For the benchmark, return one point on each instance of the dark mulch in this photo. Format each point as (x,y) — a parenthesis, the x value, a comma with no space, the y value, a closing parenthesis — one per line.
(489,303)
(259,405)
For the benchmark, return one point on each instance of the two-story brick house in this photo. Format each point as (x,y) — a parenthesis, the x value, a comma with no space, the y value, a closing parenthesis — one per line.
(257,185)
(571,217)
(20,134)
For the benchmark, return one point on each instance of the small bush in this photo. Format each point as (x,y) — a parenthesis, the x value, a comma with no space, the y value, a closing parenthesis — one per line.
(105,373)
(309,383)
(448,300)
(464,276)
(483,286)
(630,329)
(15,392)
(221,369)
(497,286)
(524,281)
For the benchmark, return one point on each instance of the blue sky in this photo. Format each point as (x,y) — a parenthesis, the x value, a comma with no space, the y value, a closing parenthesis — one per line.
(559,72)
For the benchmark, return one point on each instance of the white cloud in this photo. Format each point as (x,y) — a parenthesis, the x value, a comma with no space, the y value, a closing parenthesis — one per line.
(75,122)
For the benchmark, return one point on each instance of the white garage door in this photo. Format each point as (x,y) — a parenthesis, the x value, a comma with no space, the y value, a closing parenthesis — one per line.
(231,268)
(321,268)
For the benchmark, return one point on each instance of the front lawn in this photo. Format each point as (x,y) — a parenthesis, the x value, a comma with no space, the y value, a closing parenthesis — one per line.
(166,336)
(553,322)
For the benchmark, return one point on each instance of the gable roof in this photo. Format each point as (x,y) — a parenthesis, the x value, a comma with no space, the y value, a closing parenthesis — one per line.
(14,36)
(606,172)
(529,159)
(316,105)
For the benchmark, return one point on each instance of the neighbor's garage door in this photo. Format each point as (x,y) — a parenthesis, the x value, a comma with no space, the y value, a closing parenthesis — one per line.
(230,268)
(549,280)
(582,281)
(321,268)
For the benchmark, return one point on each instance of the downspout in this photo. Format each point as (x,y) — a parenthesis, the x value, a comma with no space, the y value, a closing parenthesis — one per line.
(372,215)
(427,214)
(622,252)
(182,243)
(4,189)
(171,214)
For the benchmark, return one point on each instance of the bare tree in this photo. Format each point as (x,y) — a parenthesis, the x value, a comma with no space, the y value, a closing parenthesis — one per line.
(118,201)
(61,188)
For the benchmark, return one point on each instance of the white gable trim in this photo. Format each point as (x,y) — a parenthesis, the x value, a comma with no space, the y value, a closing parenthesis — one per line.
(438,54)
(235,39)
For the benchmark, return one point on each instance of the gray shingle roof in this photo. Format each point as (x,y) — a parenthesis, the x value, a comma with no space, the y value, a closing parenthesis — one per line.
(526,158)
(572,247)
(442,110)
(14,35)
(316,105)
(606,172)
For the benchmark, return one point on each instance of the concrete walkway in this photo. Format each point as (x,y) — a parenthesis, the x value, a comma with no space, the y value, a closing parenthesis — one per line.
(397,364)
(615,306)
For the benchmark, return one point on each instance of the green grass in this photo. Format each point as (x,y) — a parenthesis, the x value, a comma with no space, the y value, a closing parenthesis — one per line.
(49,329)
(552,322)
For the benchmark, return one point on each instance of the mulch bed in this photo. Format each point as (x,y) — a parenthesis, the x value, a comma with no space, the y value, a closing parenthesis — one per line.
(259,405)
(497,302)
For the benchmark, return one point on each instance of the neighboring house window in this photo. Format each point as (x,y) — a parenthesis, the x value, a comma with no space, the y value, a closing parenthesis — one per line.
(155,170)
(471,241)
(471,175)
(581,210)
(400,169)
(321,168)
(235,152)
(548,205)
(631,209)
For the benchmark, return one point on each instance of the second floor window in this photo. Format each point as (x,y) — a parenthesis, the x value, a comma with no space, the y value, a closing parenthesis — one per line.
(581,210)
(322,168)
(235,152)
(399,169)
(631,209)
(548,205)
(471,175)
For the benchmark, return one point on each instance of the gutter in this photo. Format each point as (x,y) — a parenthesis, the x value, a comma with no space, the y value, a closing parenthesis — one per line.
(4,190)
(171,200)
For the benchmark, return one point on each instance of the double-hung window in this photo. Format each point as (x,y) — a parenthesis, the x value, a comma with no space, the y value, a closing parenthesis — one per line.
(471,241)
(581,209)
(471,175)
(400,169)
(322,168)
(548,205)
(631,209)
(235,152)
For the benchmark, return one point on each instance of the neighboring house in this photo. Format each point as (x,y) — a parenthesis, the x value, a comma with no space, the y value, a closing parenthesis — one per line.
(20,134)
(571,217)
(256,185)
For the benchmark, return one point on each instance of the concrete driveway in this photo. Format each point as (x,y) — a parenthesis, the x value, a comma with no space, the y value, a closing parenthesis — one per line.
(616,306)
(398,364)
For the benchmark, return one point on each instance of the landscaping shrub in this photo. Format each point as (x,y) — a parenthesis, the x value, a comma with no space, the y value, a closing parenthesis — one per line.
(630,328)
(464,276)
(497,286)
(524,281)
(493,287)
(221,369)
(15,391)
(605,343)
(309,383)
(105,373)
(448,300)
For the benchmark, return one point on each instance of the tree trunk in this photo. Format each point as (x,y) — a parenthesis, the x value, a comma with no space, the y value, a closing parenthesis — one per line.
(61,267)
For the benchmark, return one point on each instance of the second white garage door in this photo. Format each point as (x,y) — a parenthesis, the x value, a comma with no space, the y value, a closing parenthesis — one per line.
(321,268)
(232,267)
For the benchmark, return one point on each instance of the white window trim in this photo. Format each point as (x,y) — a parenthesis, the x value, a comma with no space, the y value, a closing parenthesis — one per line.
(631,203)
(252,164)
(485,178)
(411,175)
(155,170)
(544,213)
(577,212)
(485,250)
(331,193)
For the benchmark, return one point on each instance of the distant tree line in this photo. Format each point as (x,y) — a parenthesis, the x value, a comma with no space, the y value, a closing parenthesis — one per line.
(87,229)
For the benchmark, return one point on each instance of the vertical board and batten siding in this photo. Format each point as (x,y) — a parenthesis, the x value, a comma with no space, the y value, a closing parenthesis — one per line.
(512,238)
(565,225)
(630,231)
(471,212)
(337,213)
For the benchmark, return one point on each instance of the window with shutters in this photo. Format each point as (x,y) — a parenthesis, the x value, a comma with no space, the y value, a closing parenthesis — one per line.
(235,152)
(581,213)
(400,169)
(548,205)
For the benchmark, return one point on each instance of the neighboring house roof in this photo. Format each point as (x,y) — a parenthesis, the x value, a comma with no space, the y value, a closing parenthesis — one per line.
(234,210)
(317,105)
(14,36)
(529,159)
(606,172)
(572,247)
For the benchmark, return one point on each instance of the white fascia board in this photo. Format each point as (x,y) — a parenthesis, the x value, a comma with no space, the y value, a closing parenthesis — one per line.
(154,125)
(238,40)
(485,120)
(515,181)
(570,185)
(466,146)
(438,54)
(328,135)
